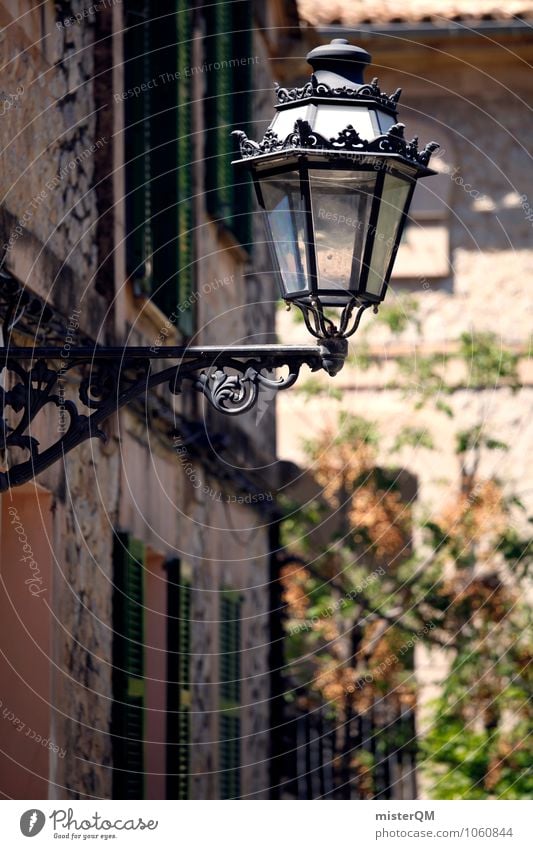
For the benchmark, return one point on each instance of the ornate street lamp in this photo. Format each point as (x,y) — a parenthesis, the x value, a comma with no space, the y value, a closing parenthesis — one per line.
(334,176)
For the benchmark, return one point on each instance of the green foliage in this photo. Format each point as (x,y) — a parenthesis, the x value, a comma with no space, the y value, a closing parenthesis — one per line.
(352,430)
(397,316)
(360,358)
(487,362)
(517,551)
(297,518)
(356,429)
(436,536)
(462,755)
(479,755)
(424,377)
(313,388)
(413,437)
(443,407)
(475,438)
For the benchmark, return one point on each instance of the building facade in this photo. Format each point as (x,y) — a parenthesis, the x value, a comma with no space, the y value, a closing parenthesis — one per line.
(135,661)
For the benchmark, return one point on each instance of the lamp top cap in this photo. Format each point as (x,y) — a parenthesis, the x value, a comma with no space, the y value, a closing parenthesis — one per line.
(339,62)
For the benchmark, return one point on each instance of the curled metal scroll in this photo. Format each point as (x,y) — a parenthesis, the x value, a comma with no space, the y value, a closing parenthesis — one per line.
(230,383)
(236,392)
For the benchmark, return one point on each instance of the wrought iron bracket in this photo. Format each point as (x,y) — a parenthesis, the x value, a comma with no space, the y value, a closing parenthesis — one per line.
(109,378)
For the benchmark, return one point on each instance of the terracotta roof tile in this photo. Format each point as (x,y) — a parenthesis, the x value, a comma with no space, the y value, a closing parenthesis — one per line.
(354,12)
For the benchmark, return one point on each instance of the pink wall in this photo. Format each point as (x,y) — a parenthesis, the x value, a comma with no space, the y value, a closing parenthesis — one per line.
(25,644)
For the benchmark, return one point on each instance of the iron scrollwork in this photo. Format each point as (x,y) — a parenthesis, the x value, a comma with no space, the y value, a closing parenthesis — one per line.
(348,140)
(229,378)
(369,91)
(234,394)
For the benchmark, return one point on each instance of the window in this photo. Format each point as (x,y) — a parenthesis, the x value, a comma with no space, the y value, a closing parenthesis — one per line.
(155,672)
(228,67)
(137,143)
(179,683)
(127,722)
(230,696)
(158,153)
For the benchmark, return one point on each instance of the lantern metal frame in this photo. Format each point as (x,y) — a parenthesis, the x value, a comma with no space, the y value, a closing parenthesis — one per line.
(313,301)
(304,149)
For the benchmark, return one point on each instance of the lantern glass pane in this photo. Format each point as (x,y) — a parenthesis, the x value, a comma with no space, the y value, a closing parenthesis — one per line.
(286,216)
(285,119)
(393,200)
(341,202)
(330,120)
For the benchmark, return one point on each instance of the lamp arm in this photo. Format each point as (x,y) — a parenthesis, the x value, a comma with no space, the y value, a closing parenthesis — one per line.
(110,378)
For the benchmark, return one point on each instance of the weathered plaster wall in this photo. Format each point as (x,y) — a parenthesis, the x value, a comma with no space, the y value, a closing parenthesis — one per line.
(48,146)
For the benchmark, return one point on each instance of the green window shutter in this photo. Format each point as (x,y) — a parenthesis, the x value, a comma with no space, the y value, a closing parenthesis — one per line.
(179,685)
(137,144)
(230,756)
(230,640)
(242,117)
(230,696)
(219,110)
(164,154)
(185,190)
(127,724)
(228,107)
(172,160)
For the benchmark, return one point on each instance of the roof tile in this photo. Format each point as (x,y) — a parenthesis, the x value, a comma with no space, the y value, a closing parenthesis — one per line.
(354,12)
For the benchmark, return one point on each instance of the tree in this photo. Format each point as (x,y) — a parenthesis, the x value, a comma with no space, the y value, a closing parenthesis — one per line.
(360,596)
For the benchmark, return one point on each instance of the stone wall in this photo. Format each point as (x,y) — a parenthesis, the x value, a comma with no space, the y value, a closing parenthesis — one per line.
(52,160)
(49,149)
(49,209)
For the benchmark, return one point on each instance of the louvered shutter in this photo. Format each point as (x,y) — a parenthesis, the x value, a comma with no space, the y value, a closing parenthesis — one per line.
(159,154)
(185,191)
(172,160)
(128,668)
(164,154)
(179,685)
(230,756)
(137,144)
(228,107)
(242,116)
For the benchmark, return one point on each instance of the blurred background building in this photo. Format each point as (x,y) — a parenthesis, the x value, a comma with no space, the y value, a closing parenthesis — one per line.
(461,285)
